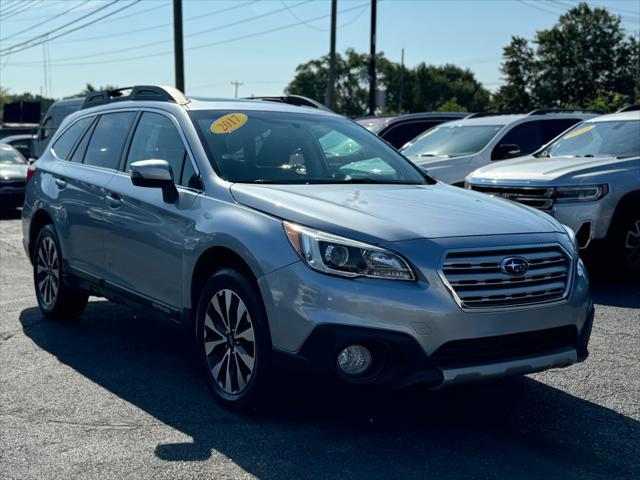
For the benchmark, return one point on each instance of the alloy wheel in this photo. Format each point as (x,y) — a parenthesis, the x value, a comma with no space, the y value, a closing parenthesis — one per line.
(632,245)
(229,341)
(48,272)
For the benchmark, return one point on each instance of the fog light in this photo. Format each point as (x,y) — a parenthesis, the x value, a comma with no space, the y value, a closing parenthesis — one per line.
(354,360)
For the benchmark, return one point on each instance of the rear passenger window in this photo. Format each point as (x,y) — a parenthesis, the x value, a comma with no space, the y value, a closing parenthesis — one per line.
(108,139)
(156,137)
(63,145)
(528,136)
(78,153)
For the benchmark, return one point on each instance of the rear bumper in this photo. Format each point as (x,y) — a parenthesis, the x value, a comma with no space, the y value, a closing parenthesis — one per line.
(399,361)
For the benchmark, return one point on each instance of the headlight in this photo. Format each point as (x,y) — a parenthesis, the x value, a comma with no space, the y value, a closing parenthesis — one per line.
(348,258)
(583,193)
(572,236)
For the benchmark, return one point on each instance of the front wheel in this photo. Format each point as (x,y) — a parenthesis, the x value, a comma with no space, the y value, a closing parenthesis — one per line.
(233,339)
(630,244)
(56,299)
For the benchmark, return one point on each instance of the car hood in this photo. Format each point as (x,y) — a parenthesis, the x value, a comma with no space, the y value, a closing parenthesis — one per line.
(13,172)
(545,169)
(387,213)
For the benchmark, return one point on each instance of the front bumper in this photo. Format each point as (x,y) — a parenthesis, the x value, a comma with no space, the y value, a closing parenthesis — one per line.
(590,220)
(312,316)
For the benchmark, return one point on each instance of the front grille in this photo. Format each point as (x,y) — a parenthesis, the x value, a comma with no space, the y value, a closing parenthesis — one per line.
(537,197)
(477,351)
(478,281)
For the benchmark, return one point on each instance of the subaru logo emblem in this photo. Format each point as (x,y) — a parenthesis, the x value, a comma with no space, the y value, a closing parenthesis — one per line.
(514,266)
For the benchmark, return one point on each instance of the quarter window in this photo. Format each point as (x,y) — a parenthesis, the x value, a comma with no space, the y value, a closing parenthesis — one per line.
(108,139)
(63,145)
(156,137)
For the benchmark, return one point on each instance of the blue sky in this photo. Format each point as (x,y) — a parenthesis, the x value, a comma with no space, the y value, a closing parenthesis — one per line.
(261,42)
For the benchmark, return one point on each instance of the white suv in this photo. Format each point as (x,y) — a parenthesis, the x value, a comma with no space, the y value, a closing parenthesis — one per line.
(452,150)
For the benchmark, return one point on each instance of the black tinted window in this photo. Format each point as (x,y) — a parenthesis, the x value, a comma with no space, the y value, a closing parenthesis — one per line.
(78,152)
(398,135)
(156,137)
(528,136)
(552,128)
(107,141)
(63,145)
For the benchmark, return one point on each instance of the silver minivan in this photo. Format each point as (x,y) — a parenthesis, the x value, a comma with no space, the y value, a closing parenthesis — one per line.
(280,232)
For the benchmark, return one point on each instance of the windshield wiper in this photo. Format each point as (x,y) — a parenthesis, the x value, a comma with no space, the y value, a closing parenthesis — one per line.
(432,155)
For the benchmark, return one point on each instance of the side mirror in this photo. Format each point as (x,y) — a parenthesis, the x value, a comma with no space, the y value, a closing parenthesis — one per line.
(506,150)
(154,174)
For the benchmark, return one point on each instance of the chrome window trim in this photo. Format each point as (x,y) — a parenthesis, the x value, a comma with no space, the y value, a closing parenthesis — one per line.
(559,301)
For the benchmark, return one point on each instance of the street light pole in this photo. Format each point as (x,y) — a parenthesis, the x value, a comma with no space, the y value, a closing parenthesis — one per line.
(177,44)
(331,87)
(237,84)
(372,60)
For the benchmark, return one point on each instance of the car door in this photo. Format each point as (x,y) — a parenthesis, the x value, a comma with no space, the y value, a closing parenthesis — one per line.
(147,237)
(81,182)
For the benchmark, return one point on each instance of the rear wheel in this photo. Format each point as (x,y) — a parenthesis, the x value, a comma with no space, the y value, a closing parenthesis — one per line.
(233,339)
(56,299)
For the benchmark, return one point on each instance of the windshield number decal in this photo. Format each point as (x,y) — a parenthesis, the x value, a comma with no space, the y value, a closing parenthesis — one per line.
(228,123)
(578,132)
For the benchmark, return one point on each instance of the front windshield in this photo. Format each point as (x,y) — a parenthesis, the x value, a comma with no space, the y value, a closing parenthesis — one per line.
(619,139)
(282,147)
(10,156)
(452,140)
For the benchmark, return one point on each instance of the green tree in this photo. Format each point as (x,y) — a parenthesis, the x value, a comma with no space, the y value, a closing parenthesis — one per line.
(585,59)
(518,68)
(424,88)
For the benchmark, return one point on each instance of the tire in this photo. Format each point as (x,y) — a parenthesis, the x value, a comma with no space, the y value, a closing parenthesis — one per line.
(628,243)
(233,340)
(57,300)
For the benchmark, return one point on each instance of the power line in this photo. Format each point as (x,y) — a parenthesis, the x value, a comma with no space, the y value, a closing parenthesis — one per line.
(44,21)
(152,27)
(19,8)
(304,22)
(198,47)
(44,35)
(201,32)
(79,27)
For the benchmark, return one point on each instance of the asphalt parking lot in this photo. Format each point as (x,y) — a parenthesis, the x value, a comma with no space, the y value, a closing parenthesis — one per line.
(118,395)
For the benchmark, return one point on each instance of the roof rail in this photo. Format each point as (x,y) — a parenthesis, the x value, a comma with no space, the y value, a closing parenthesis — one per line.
(297,100)
(139,92)
(484,114)
(544,111)
(631,108)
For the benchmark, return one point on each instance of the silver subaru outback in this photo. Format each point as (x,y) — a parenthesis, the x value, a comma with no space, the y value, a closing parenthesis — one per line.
(278,232)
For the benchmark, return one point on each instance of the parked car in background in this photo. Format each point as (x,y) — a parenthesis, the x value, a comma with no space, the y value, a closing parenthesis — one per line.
(23,143)
(231,217)
(52,120)
(588,179)
(398,130)
(449,152)
(13,174)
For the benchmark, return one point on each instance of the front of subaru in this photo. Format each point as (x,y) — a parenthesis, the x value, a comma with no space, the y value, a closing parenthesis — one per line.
(376,273)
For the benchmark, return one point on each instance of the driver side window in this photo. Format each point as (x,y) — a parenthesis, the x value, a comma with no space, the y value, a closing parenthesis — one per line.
(156,137)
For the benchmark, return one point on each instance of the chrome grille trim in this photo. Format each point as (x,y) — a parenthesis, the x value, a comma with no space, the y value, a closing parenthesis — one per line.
(541,198)
(475,280)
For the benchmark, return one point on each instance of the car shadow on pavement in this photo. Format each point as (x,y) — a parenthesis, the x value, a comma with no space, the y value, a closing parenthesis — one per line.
(13,214)
(519,428)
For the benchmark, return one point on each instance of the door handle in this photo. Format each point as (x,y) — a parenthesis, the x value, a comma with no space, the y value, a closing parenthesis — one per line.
(60,183)
(114,200)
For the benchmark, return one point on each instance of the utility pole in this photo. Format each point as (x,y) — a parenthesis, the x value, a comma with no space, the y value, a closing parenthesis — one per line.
(237,84)
(178,48)
(401,81)
(331,87)
(372,60)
